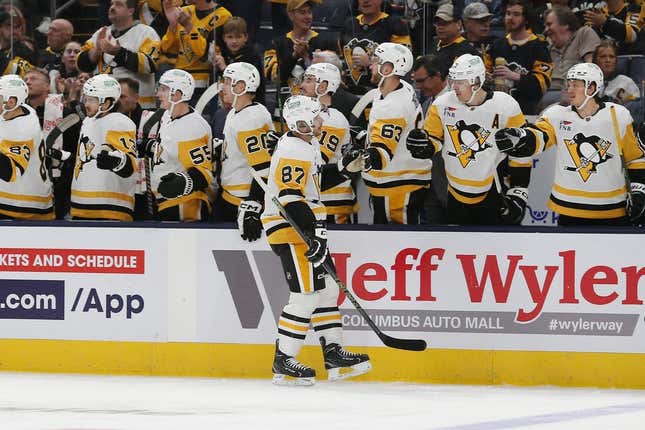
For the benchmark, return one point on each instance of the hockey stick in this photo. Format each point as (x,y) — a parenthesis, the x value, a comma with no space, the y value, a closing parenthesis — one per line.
(153,120)
(65,124)
(360,106)
(392,342)
(206,97)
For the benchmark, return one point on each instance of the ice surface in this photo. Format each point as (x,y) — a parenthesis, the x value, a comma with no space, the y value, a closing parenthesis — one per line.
(79,402)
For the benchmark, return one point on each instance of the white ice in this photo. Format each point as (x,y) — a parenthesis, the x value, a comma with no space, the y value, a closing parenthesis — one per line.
(78,402)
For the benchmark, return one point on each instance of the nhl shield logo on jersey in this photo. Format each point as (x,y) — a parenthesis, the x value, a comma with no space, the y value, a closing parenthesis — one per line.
(587,153)
(358,47)
(468,140)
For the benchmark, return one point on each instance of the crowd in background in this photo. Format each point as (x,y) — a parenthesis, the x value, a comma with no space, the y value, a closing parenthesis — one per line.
(527,48)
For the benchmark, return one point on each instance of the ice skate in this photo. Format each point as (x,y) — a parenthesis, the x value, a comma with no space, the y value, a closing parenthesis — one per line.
(289,371)
(342,364)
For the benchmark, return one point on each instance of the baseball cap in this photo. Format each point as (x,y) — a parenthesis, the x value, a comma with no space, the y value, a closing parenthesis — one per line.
(295,4)
(445,12)
(476,11)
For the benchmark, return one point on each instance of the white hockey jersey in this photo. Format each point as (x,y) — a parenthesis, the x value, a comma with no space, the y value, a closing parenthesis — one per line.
(466,137)
(28,193)
(589,177)
(244,147)
(391,119)
(98,193)
(341,199)
(185,142)
(294,175)
(141,40)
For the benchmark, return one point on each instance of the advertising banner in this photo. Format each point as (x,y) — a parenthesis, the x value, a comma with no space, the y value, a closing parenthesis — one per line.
(83,284)
(511,291)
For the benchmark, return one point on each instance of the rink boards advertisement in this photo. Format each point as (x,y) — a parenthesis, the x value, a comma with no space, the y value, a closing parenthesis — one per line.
(82,284)
(511,291)
(457,290)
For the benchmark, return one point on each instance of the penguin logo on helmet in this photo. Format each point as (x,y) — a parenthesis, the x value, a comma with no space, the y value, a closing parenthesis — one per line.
(468,140)
(587,153)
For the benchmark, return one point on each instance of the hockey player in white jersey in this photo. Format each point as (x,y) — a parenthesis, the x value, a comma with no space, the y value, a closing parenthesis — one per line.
(462,124)
(25,187)
(294,178)
(595,144)
(245,134)
(397,182)
(321,81)
(181,160)
(104,182)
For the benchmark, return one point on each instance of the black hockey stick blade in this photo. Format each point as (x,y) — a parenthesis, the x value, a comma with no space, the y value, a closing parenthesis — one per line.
(406,344)
(64,124)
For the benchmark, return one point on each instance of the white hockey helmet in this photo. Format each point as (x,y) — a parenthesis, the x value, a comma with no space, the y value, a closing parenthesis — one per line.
(243,72)
(300,108)
(179,80)
(397,54)
(102,87)
(587,72)
(324,72)
(468,67)
(13,86)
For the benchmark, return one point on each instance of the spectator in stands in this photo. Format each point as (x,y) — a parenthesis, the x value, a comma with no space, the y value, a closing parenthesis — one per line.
(618,88)
(129,100)
(477,19)
(236,48)
(37,81)
(13,48)
(59,34)
(362,34)
(124,49)
(291,53)
(251,12)
(430,77)
(449,43)
(151,13)
(569,44)
(191,29)
(68,68)
(521,60)
(614,19)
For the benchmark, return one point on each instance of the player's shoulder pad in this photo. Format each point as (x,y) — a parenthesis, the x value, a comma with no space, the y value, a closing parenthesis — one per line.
(337,118)
(554,111)
(119,121)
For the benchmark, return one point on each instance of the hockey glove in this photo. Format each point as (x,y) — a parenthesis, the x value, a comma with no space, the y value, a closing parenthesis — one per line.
(248,220)
(54,159)
(111,160)
(636,204)
(372,160)
(513,206)
(175,185)
(272,141)
(419,144)
(359,136)
(510,140)
(318,252)
(148,148)
(351,162)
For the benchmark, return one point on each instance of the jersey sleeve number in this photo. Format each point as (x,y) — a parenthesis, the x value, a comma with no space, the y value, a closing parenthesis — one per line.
(200,154)
(255,144)
(390,131)
(292,174)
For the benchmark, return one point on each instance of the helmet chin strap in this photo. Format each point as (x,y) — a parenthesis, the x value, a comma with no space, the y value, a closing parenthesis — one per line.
(99,111)
(473,94)
(587,97)
(382,75)
(4,111)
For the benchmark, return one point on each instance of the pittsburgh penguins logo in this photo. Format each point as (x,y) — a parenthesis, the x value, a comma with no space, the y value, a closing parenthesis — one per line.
(587,153)
(468,140)
(358,47)
(85,148)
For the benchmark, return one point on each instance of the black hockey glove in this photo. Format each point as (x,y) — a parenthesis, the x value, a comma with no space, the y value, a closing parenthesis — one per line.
(272,141)
(54,159)
(372,160)
(513,206)
(148,148)
(175,184)
(351,161)
(359,136)
(419,144)
(318,252)
(510,140)
(636,204)
(248,220)
(110,160)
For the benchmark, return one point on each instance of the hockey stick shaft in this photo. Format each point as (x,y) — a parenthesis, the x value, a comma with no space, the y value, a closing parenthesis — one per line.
(154,119)
(392,342)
